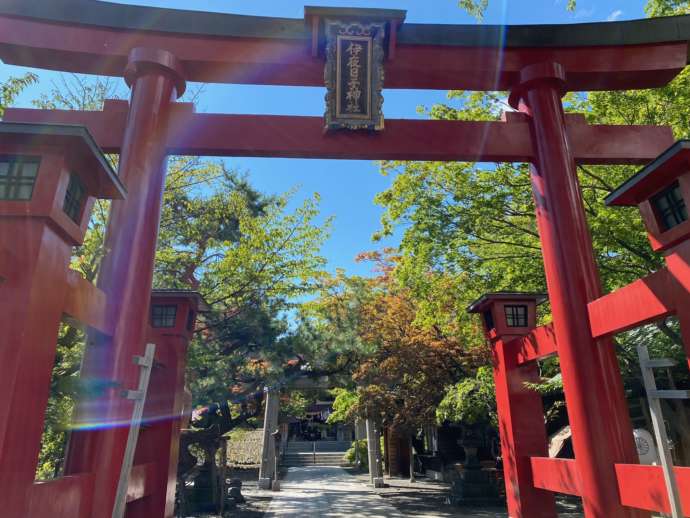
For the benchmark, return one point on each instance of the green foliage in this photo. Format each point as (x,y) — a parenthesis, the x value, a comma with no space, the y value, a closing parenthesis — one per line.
(667,7)
(475,7)
(249,255)
(471,226)
(358,450)
(344,406)
(10,89)
(471,401)
(328,324)
(77,92)
(295,405)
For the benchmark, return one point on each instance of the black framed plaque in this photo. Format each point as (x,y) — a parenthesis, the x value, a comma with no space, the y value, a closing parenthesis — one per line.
(354,75)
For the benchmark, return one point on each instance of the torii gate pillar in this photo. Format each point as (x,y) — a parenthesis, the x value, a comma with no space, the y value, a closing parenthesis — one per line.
(156,80)
(591,378)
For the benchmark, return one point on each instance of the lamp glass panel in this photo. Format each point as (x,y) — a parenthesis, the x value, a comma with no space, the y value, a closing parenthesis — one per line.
(489,320)
(18,177)
(74,198)
(516,315)
(670,207)
(163,315)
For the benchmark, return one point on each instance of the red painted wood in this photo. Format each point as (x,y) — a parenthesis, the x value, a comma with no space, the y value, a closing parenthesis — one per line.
(678,264)
(126,278)
(67,497)
(636,304)
(32,295)
(537,345)
(96,50)
(520,410)
(591,379)
(142,482)
(644,487)
(163,414)
(31,299)
(523,434)
(303,137)
(558,475)
(85,303)
(106,126)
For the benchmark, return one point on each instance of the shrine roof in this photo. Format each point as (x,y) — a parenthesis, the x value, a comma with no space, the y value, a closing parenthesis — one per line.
(480,304)
(132,17)
(77,143)
(653,177)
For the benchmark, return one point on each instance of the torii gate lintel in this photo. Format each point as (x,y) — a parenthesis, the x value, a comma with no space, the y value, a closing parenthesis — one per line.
(223,135)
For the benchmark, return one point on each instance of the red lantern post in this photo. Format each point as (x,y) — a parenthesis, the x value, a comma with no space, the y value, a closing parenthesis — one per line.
(49,177)
(507,317)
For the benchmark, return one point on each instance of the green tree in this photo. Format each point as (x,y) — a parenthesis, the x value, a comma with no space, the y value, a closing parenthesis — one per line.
(249,255)
(10,89)
(470,401)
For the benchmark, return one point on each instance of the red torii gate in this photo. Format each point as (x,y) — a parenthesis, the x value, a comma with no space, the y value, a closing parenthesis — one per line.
(158,50)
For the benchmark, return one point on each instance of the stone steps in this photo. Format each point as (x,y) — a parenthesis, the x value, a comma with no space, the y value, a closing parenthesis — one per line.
(328,453)
(309,459)
(321,446)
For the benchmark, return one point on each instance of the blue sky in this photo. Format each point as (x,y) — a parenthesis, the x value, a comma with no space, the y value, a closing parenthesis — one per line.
(347,188)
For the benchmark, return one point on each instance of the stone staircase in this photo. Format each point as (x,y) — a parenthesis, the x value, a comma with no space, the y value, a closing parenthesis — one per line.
(319,453)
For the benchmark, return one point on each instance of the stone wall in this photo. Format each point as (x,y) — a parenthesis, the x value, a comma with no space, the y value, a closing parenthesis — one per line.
(244,448)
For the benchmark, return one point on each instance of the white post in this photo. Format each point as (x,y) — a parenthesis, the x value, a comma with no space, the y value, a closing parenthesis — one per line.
(139,397)
(654,397)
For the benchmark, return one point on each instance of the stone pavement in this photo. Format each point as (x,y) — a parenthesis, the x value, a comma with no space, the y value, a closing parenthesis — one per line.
(326,491)
(329,491)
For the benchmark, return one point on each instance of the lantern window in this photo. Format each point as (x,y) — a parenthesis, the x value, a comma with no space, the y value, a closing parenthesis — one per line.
(163,316)
(17,177)
(489,319)
(516,316)
(74,198)
(670,207)
(190,320)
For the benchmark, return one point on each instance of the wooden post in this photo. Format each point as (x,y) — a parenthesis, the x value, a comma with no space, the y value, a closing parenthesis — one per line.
(654,397)
(139,396)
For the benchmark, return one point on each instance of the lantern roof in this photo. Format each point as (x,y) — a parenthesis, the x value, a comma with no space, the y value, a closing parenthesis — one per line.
(485,300)
(668,166)
(172,293)
(78,145)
